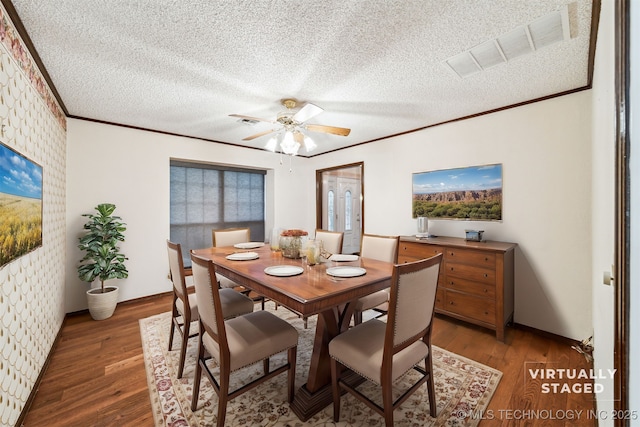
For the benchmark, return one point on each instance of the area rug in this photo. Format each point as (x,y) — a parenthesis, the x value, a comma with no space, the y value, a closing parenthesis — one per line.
(463,387)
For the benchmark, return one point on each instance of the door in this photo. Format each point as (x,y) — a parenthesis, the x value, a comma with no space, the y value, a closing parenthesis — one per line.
(340,203)
(348,214)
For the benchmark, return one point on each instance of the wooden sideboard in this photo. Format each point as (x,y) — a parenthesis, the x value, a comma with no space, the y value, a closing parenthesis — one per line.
(476,278)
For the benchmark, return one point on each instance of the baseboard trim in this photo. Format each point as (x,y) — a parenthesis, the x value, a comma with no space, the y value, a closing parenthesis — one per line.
(131,301)
(36,384)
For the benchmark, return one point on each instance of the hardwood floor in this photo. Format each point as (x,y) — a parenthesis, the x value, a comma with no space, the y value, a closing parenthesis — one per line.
(96,376)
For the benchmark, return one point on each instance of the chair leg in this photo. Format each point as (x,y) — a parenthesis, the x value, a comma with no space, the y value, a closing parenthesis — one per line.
(183,346)
(173,316)
(265,365)
(171,334)
(387,403)
(335,376)
(291,374)
(223,397)
(197,376)
(431,386)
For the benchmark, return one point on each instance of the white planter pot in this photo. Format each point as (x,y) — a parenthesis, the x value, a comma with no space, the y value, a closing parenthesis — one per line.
(102,305)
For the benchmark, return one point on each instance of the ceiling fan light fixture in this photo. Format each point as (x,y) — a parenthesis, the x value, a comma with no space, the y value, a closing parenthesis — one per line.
(309,144)
(272,144)
(288,136)
(289,145)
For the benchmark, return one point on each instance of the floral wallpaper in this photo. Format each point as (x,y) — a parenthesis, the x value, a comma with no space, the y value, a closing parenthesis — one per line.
(32,286)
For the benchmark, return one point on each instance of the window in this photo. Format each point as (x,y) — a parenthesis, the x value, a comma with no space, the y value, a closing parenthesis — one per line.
(206,197)
(330,211)
(347,211)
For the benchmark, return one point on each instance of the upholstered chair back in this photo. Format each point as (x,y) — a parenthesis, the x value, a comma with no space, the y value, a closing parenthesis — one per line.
(414,302)
(382,248)
(331,240)
(205,285)
(230,236)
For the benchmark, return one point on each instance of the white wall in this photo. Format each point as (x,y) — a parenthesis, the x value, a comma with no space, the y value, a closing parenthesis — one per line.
(545,150)
(130,168)
(604,203)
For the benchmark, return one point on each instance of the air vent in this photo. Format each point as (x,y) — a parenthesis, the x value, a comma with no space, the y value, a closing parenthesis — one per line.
(248,122)
(544,31)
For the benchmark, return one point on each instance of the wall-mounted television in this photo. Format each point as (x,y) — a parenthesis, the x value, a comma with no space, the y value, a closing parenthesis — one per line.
(467,193)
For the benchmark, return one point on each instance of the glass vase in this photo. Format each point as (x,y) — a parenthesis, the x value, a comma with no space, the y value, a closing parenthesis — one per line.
(291,246)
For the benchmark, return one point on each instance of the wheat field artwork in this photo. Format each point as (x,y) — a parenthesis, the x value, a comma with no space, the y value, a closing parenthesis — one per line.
(20,205)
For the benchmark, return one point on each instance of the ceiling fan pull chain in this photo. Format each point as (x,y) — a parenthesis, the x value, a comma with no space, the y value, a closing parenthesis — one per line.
(290,164)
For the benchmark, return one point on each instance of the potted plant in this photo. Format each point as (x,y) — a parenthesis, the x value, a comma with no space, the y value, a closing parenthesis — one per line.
(102,259)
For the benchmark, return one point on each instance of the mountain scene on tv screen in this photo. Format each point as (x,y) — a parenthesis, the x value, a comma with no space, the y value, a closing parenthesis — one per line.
(464,204)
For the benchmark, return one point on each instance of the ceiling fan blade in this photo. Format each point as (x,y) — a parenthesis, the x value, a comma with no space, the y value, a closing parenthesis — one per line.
(251,118)
(298,137)
(328,129)
(258,135)
(309,110)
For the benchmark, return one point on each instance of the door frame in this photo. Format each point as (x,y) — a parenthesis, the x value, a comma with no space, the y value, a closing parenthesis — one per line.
(319,190)
(623,199)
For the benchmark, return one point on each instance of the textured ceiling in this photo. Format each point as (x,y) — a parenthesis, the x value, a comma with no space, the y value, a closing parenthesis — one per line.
(375,66)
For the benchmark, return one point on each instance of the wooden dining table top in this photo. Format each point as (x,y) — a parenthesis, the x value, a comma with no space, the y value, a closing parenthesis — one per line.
(310,292)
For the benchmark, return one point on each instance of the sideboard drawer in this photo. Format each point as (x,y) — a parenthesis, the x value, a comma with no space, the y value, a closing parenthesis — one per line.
(409,252)
(471,272)
(470,306)
(479,258)
(487,290)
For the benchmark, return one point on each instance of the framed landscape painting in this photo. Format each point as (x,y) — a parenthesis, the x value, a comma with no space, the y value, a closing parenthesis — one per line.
(470,193)
(20,205)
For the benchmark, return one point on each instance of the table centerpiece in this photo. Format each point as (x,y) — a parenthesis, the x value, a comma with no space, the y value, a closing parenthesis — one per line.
(292,242)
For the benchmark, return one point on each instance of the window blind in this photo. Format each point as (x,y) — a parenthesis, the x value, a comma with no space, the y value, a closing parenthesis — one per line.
(205,197)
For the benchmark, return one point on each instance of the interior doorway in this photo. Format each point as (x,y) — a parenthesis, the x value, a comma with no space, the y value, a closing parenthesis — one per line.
(340,203)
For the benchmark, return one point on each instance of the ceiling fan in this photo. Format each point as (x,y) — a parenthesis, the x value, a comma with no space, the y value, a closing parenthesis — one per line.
(291,124)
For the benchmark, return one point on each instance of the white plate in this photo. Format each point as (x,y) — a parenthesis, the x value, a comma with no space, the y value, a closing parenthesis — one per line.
(346,271)
(248,245)
(284,270)
(343,257)
(243,256)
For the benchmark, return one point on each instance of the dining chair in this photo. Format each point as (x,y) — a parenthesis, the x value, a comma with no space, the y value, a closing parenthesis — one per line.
(184,308)
(230,237)
(382,352)
(237,343)
(331,240)
(382,248)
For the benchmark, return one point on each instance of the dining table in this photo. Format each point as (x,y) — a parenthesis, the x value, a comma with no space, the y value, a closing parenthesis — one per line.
(327,289)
